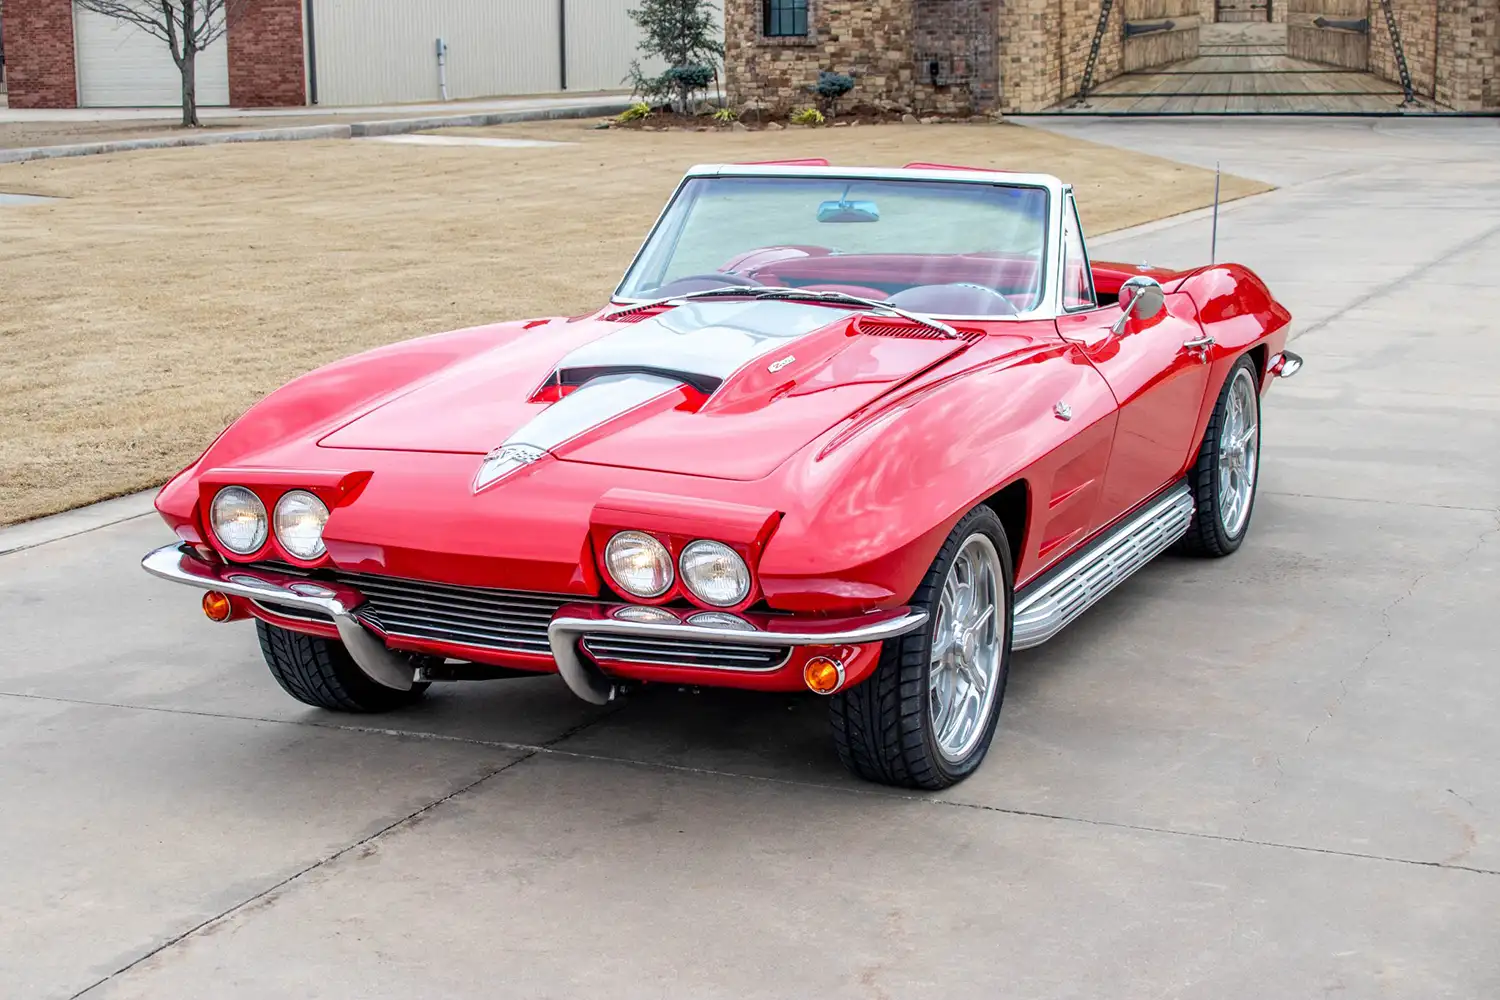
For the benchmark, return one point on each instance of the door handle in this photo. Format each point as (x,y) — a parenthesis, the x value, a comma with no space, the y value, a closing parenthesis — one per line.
(1202,343)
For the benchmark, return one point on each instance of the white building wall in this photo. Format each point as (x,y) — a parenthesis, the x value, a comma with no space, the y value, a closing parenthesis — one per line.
(385,51)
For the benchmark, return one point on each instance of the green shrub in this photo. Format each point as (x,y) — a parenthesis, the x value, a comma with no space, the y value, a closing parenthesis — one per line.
(831,86)
(638,111)
(725,115)
(807,116)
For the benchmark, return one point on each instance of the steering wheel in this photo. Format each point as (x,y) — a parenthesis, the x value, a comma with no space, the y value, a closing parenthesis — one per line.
(715,279)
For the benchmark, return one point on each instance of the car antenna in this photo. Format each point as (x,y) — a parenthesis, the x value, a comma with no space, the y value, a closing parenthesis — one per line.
(1213,244)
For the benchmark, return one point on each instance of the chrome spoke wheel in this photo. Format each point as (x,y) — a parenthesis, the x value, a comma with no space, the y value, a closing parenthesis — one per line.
(968,646)
(1239,453)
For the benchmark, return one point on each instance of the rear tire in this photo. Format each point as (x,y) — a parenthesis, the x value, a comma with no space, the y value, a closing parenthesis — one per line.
(896,728)
(321,673)
(1226,475)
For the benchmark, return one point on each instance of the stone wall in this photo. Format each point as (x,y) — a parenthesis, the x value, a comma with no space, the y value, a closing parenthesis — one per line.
(39,68)
(1452,50)
(870,39)
(1036,58)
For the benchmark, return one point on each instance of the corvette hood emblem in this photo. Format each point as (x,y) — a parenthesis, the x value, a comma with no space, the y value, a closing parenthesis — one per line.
(504,460)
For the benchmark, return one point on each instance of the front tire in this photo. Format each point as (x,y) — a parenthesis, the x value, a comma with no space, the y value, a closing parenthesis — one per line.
(1226,475)
(321,673)
(927,715)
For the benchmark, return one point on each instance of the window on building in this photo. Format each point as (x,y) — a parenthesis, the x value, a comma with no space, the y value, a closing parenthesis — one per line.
(785,18)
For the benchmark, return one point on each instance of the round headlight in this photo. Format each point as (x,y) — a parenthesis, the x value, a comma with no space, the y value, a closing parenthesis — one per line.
(239,520)
(715,573)
(640,564)
(300,517)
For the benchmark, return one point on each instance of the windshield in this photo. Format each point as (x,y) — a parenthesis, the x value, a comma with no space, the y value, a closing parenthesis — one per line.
(938,247)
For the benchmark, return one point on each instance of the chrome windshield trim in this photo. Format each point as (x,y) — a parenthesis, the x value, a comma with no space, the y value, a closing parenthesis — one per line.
(1050,294)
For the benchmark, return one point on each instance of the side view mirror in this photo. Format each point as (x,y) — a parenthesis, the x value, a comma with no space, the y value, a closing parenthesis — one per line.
(1141,297)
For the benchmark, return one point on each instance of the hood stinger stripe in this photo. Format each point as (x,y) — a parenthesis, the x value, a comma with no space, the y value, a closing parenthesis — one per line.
(590,405)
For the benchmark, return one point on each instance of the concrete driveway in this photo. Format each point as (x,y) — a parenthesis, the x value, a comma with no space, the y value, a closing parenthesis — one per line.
(1273,776)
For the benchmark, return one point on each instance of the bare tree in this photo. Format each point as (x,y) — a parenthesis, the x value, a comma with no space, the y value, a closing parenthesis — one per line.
(187,26)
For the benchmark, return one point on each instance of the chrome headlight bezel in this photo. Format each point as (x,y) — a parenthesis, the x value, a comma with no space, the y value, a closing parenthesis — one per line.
(698,556)
(617,549)
(251,504)
(312,507)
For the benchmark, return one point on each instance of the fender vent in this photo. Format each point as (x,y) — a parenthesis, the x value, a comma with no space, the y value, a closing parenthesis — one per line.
(881,326)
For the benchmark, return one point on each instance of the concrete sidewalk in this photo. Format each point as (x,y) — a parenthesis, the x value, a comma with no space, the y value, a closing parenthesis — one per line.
(44,134)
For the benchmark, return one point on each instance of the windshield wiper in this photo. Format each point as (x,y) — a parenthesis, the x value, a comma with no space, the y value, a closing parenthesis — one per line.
(746,291)
(754,292)
(842,298)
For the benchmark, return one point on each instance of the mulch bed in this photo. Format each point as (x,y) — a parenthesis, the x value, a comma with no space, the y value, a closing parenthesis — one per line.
(754,120)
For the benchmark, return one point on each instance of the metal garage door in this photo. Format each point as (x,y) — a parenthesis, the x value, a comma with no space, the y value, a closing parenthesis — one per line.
(379,51)
(121,66)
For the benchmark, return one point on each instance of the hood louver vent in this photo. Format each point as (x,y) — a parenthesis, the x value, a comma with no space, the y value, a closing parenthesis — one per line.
(637,314)
(880,326)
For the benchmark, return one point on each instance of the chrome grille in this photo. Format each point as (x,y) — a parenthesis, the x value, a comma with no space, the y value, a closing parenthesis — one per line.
(514,621)
(722,655)
(510,620)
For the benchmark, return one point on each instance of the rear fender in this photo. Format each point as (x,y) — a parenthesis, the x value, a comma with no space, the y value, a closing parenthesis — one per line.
(1237,310)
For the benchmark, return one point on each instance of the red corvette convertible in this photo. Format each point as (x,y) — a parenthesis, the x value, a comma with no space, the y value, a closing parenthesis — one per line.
(858,432)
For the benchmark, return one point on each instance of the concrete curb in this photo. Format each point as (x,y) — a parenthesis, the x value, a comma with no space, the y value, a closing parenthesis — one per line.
(55,527)
(356,130)
(401,126)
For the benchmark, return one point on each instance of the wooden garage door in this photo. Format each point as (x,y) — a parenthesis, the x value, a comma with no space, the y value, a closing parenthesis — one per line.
(120,66)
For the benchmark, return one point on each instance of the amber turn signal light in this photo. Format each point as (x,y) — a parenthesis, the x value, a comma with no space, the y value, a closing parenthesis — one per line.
(822,675)
(217,606)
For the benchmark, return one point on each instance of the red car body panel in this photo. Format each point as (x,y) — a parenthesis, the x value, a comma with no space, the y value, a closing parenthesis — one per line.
(836,472)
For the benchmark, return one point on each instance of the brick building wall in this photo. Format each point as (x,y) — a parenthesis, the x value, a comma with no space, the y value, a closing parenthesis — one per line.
(1452,50)
(39,70)
(266,66)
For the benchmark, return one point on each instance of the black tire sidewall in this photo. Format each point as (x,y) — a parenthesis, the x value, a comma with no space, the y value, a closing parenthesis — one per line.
(1227,541)
(982,520)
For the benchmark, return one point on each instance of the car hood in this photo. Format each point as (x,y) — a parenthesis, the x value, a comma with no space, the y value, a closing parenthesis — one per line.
(727,389)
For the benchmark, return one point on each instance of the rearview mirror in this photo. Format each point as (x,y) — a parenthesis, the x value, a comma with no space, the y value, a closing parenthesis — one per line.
(1141,297)
(848,211)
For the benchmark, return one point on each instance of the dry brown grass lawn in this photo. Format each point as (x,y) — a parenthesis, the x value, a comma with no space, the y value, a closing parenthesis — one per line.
(174,288)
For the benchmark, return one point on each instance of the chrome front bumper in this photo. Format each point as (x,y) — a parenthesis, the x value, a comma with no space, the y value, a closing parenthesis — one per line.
(177,564)
(571,623)
(575,621)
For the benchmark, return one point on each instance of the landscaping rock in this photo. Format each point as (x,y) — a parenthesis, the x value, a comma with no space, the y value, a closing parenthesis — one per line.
(776,126)
(739,127)
(909,118)
(929,120)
